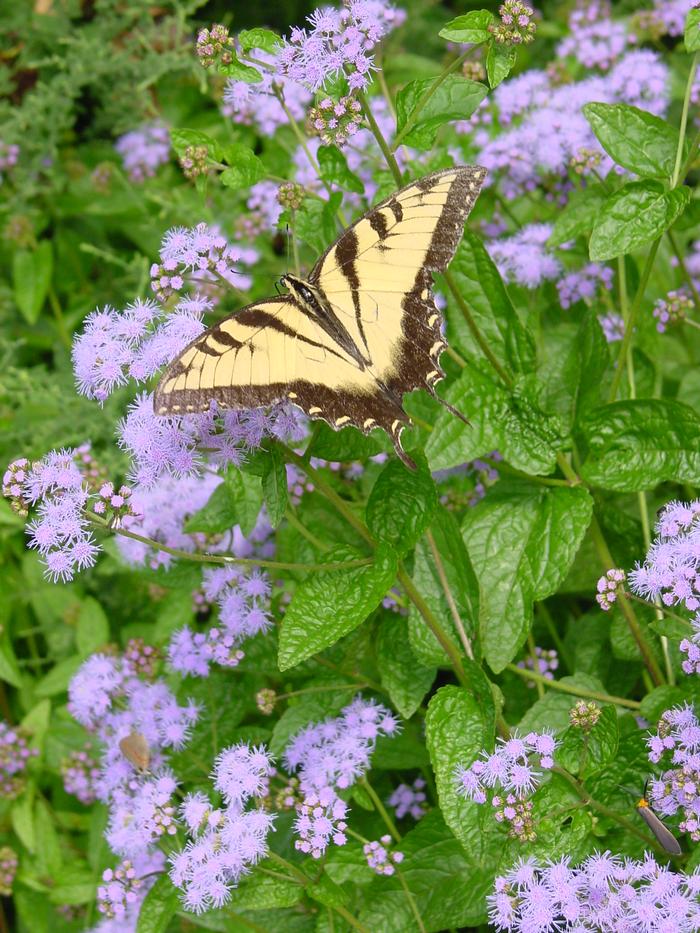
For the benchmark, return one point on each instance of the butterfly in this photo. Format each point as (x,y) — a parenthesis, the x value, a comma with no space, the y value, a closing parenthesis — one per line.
(345,344)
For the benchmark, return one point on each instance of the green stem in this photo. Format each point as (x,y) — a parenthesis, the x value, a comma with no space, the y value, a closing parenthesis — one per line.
(535,665)
(563,651)
(479,338)
(454,611)
(426,95)
(445,642)
(379,136)
(684,120)
(227,559)
(684,269)
(608,562)
(411,901)
(631,321)
(291,517)
(380,808)
(665,611)
(560,687)
(321,689)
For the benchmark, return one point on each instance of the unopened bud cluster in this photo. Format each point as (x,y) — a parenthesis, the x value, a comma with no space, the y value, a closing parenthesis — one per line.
(265,700)
(584,715)
(215,46)
(113,504)
(608,587)
(195,161)
(516,26)
(672,309)
(141,658)
(335,121)
(8,870)
(12,481)
(19,230)
(516,812)
(585,161)
(94,473)
(475,71)
(290,195)
(379,858)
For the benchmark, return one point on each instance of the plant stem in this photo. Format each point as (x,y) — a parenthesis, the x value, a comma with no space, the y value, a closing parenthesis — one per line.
(608,562)
(291,517)
(481,341)
(380,808)
(424,609)
(535,666)
(665,611)
(411,901)
(320,689)
(684,269)
(427,94)
(378,135)
(631,321)
(444,582)
(684,120)
(582,692)
(226,558)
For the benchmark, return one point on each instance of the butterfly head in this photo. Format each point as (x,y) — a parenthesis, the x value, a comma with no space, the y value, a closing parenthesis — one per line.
(300,289)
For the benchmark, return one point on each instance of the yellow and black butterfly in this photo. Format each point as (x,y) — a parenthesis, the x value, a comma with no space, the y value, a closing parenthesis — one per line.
(348,342)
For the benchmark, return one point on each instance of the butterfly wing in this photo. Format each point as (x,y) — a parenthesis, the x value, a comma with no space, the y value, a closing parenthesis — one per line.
(268,352)
(377,278)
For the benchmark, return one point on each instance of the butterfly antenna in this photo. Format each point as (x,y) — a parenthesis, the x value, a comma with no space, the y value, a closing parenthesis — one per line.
(454,411)
(289,244)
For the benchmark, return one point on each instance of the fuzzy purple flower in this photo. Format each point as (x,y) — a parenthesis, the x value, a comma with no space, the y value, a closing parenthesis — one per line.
(380,856)
(677,790)
(80,772)
(608,586)
(15,754)
(595,40)
(141,813)
(604,893)
(545,662)
(144,150)
(523,257)
(409,800)
(584,284)
(9,154)
(671,570)
(612,325)
(123,888)
(257,104)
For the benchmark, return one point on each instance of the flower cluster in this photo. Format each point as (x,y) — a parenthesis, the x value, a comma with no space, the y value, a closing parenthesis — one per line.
(335,121)
(584,284)
(608,586)
(380,859)
(338,41)
(409,800)
(194,161)
(135,343)
(14,757)
(691,648)
(144,150)
(265,701)
(242,599)
(215,46)
(268,103)
(545,662)
(13,486)
(512,766)
(584,715)
(524,258)
(8,869)
(330,756)
(203,257)
(9,154)
(516,813)
(594,40)
(80,772)
(123,889)
(678,789)
(613,326)
(603,893)
(141,658)
(516,26)
(673,309)
(227,840)
(142,811)
(670,570)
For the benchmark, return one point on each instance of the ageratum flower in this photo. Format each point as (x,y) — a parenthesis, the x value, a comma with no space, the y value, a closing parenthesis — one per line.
(523,257)
(258,104)
(677,790)
(144,150)
(584,284)
(409,799)
(595,40)
(671,568)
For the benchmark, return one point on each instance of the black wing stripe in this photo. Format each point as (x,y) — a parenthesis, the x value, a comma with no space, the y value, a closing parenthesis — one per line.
(346,252)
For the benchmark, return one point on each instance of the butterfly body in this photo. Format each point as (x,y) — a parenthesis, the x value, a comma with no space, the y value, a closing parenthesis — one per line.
(349,341)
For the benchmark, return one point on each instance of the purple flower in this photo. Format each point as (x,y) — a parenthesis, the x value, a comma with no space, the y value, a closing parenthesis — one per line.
(338,41)
(523,257)
(672,14)
(80,772)
(677,740)
(15,754)
(670,569)
(584,284)
(9,863)
(380,858)
(613,326)
(9,154)
(409,799)
(596,41)
(672,309)
(547,663)
(608,586)
(123,888)
(257,104)
(604,893)
(329,756)
(224,842)
(141,813)
(691,648)
(144,150)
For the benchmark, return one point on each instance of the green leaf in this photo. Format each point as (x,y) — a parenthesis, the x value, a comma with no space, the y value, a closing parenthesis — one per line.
(158,907)
(327,892)
(31,277)
(92,630)
(449,885)
(258,38)
(245,168)
(315,221)
(481,286)
(456,731)
(36,722)
(462,584)
(471,28)
(22,818)
(73,884)
(636,139)
(579,215)
(219,514)
(634,216)
(48,848)
(401,505)
(9,668)
(240,72)
(638,443)
(346,444)
(455,99)
(691,35)
(522,539)
(183,138)
(405,678)
(335,171)
(580,753)
(328,605)
(510,422)
(274,486)
(58,678)
(500,60)
(247,495)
